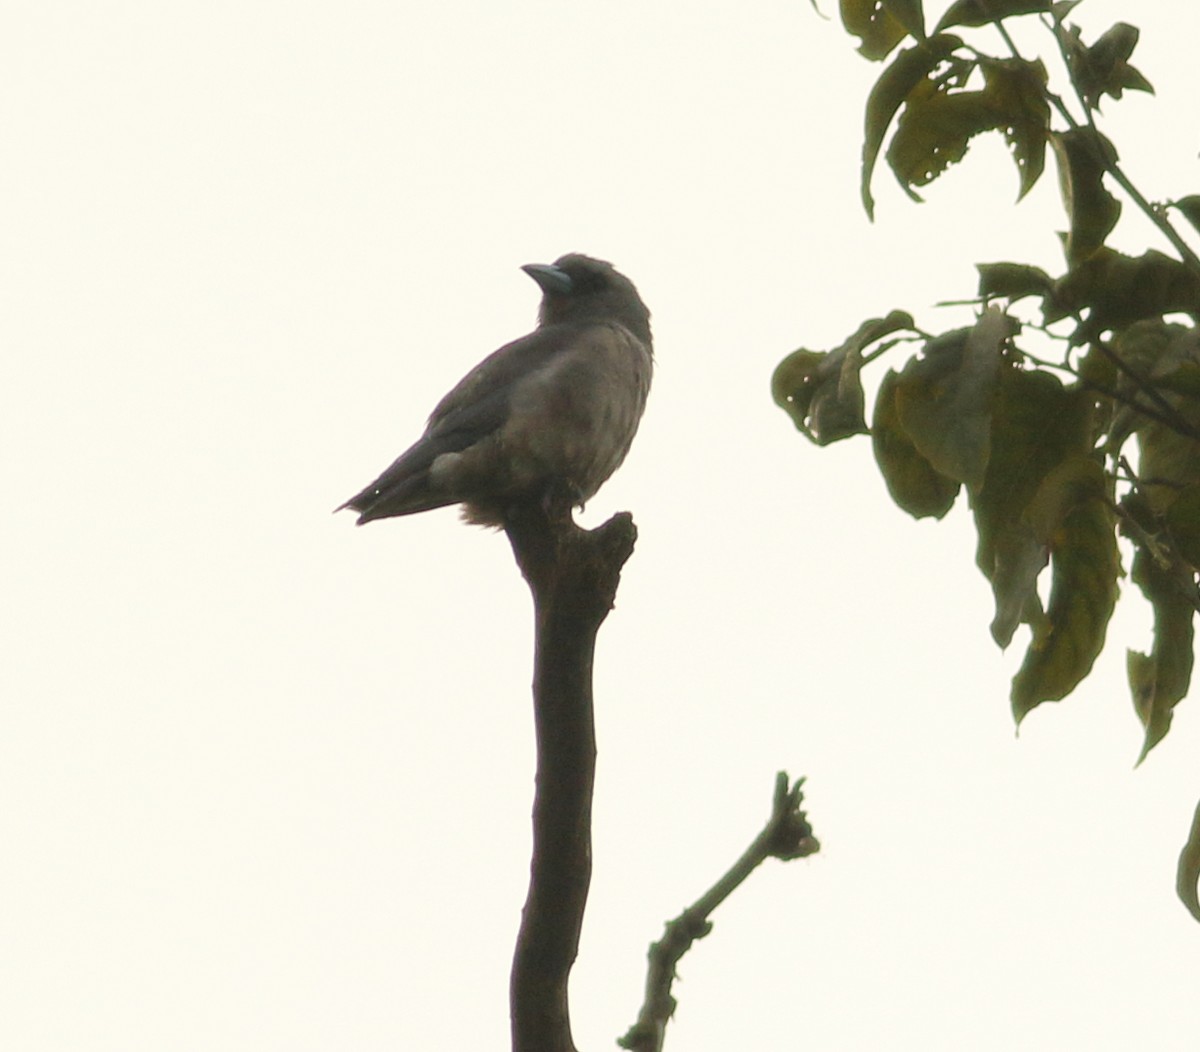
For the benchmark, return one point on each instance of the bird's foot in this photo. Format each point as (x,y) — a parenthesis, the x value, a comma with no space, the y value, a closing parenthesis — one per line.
(559,498)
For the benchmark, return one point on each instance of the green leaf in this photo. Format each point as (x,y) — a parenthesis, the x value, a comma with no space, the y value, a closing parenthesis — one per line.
(938,122)
(1189,206)
(1015,90)
(1183,520)
(1018,559)
(795,383)
(1103,68)
(1083,156)
(1071,514)
(823,392)
(1060,10)
(934,131)
(1145,346)
(1037,424)
(1164,357)
(1159,680)
(1140,349)
(909,14)
(875,329)
(1187,875)
(1097,368)
(1169,463)
(1118,290)
(838,406)
(909,68)
(875,24)
(915,485)
(981,12)
(944,400)
(1013,281)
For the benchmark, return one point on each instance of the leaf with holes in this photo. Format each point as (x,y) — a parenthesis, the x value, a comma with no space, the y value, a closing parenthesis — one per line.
(875,24)
(822,392)
(908,69)
(1015,90)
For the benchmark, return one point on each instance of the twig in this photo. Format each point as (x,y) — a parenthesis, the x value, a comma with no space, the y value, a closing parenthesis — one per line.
(1137,407)
(786,835)
(1167,414)
(1164,553)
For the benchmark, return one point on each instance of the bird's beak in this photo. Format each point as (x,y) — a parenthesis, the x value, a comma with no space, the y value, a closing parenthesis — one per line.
(550,279)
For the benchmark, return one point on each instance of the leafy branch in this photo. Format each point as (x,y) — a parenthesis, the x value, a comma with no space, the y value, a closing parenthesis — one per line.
(1038,441)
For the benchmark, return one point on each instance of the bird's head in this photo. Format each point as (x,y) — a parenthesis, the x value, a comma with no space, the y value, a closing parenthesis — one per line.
(578,288)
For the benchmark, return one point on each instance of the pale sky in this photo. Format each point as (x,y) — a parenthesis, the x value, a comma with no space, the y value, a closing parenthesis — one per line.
(266,777)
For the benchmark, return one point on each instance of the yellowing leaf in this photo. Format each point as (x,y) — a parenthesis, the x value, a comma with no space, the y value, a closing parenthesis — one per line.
(823,392)
(909,14)
(913,482)
(1071,514)
(1160,680)
(1103,68)
(1018,558)
(1016,94)
(1116,290)
(981,12)
(874,24)
(1183,520)
(908,69)
(934,131)
(1036,425)
(1083,155)
(1013,281)
(1169,461)
(1188,873)
(939,120)
(1190,207)
(795,383)
(944,400)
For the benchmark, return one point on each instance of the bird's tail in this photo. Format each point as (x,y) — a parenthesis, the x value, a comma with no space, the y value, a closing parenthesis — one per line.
(398,491)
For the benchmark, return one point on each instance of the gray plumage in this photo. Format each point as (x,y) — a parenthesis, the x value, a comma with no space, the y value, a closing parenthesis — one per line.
(554,411)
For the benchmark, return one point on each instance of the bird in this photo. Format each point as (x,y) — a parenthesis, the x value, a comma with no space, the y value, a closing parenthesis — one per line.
(551,414)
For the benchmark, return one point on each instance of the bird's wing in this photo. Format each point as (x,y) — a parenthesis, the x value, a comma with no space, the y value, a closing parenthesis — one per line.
(482,396)
(478,406)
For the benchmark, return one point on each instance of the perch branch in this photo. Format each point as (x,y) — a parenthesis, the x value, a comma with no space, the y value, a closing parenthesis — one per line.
(573,576)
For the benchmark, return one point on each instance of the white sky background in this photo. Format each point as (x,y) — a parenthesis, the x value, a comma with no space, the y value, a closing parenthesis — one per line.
(266,777)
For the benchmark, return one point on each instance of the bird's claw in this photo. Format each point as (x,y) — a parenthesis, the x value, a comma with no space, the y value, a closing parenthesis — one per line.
(560,497)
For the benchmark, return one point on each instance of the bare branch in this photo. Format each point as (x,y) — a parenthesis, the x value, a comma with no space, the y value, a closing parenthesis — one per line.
(786,835)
